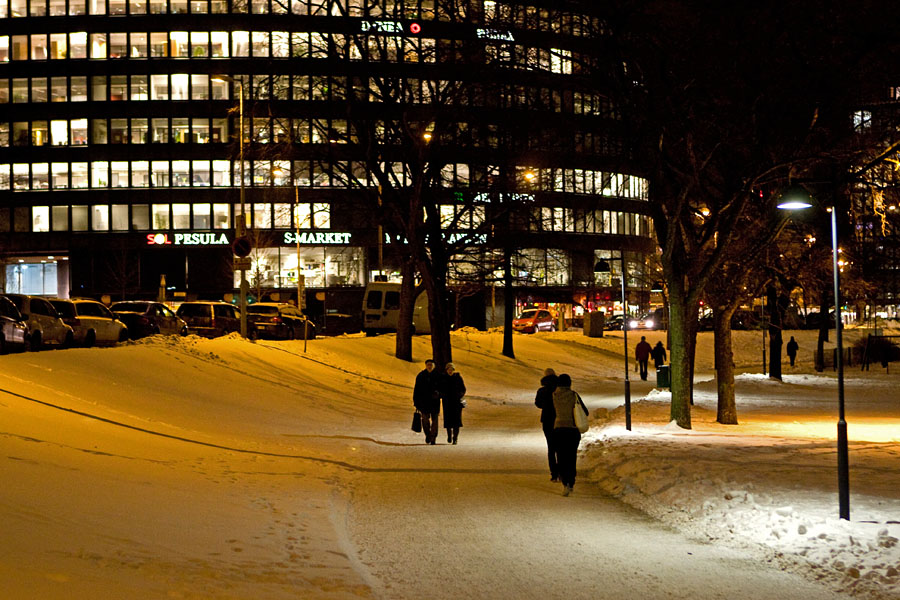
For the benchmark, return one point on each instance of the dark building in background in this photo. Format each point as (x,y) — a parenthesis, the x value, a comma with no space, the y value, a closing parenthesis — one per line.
(119,153)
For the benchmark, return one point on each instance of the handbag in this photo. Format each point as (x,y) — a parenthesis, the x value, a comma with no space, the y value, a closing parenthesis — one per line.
(580,415)
(462,402)
(417,422)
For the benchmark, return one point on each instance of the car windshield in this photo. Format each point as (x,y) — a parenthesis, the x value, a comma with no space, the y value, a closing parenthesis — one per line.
(64,309)
(19,301)
(262,310)
(138,307)
(528,314)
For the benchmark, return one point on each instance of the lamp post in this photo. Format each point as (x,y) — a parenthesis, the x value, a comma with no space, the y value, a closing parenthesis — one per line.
(603,266)
(240,226)
(798,201)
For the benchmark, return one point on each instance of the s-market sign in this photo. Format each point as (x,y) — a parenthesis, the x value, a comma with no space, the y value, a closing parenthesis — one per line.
(187,239)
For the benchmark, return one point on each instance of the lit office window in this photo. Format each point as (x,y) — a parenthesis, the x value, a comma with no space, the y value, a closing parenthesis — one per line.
(60,218)
(119,173)
(80,218)
(140,217)
(160,214)
(100,217)
(181,216)
(321,216)
(159,44)
(137,45)
(58,46)
(98,45)
(199,44)
(79,135)
(99,174)
(181,173)
(201,216)
(200,173)
(140,174)
(262,216)
(119,217)
(180,87)
(178,44)
(78,44)
(79,172)
(40,176)
(40,218)
(59,89)
(59,175)
(160,170)
(221,216)
(240,44)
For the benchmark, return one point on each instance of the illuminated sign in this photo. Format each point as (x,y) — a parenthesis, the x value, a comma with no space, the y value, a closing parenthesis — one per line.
(317,237)
(488,197)
(502,35)
(187,239)
(388,27)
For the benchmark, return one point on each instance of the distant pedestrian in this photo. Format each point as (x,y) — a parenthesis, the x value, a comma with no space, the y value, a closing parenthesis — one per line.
(427,400)
(642,355)
(453,389)
(544,401)
(792,347)
(565,433)
(659,355)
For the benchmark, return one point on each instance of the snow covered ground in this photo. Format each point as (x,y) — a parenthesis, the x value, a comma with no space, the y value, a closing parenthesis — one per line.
(192,468)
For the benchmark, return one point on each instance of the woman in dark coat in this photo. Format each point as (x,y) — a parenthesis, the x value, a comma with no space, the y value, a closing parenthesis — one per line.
(544,400)
(452,391)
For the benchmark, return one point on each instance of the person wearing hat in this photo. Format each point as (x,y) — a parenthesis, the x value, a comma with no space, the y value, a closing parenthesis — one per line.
(452,391)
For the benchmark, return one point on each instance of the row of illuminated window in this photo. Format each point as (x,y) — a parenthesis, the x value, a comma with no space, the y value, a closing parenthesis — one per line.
(284,173)
(77,132)
(209,44)
(550,219)
(164,217)
(182,86)
(525,16)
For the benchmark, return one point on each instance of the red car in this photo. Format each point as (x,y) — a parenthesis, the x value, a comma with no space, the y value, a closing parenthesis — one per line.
(534,320)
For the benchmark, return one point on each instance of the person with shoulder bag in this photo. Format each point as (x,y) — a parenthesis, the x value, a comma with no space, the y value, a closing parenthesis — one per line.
(566,431)
(427,401)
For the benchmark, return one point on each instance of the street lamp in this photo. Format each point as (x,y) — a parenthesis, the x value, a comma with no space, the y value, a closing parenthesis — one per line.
(798,200)
(240,227)
(603,266)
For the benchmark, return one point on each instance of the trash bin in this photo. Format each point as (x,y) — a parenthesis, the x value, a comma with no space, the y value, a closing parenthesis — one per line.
(593,324)
(663,377)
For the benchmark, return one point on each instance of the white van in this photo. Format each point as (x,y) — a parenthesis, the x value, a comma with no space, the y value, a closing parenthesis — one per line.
(381,309)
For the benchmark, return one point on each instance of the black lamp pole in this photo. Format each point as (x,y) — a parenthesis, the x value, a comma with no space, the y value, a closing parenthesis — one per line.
(625,338)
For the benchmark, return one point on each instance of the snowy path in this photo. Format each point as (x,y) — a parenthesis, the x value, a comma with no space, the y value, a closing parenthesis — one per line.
(482,520)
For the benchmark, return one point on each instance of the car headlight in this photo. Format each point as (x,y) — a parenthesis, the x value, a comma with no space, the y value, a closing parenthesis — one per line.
(648,323)
(633,324)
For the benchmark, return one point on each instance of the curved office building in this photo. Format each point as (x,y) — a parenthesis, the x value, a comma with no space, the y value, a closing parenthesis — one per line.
(120,163)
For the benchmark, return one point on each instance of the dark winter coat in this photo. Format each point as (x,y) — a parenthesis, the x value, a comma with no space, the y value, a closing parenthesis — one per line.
(642,351)
(544,401)
(792,347)
(452,391)
(659,354)
(426,397)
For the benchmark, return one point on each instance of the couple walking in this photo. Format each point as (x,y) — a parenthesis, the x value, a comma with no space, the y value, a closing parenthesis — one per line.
(557,401)
(433,387)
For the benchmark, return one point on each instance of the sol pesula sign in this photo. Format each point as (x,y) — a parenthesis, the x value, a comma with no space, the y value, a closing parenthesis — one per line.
(187,239)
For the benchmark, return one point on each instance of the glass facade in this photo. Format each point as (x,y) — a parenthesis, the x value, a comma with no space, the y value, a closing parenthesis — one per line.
(123,118)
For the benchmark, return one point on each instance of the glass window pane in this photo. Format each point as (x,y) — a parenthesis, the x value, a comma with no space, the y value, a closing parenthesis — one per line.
(160,216)
(60,218)
(59,175)
(181,216)
(140,174)
(221,216)
(120,217)
(201,216)
(140,217)
(79,218)
(79,174)
(100,217)
(99,174)
(160,174)
(40,218)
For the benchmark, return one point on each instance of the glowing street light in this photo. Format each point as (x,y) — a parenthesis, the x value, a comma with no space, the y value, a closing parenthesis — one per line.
(798,199)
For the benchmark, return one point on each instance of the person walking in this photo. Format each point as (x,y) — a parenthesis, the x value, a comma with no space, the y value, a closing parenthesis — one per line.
(427,401)
(452,391)
(642,355)
(565,433)
(658,354)
(792,347)
(544,401)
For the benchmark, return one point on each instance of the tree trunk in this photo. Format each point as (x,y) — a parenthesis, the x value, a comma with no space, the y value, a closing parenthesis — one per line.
(726,412)
(680,362)
(823,328)
(508,304)
(776,341)
(403,346)
(434,280)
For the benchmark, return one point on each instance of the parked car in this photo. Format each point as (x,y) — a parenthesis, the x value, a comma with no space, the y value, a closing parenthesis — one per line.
(278,320)
(45,327)
(210,319)
(533,320)
(145,318)
(614,323)
(91,322)
(13,331)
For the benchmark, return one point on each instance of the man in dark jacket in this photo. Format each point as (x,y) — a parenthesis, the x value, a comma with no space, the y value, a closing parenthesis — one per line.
(427,401)
(544,401)
(642,355)
(792,347)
